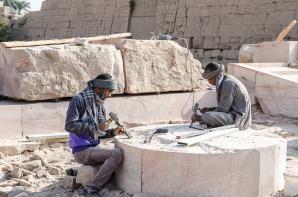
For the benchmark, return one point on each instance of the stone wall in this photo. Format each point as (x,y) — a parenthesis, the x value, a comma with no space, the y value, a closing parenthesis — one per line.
(217,29)
(214,29)
(73,18)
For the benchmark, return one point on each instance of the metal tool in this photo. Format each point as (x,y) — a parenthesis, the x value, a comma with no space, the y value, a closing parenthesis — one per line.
(195,111)
(161,36)
(116,119)
(166,37)
(157,131)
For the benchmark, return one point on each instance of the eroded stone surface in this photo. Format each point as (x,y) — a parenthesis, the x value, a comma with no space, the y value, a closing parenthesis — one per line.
(48,72)
(232,165)
(159,66)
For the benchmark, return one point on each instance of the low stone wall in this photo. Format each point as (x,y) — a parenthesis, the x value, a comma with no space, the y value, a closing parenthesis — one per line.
(21,119)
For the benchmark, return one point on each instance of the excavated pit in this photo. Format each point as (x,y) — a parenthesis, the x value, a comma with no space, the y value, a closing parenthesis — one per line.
(246,163)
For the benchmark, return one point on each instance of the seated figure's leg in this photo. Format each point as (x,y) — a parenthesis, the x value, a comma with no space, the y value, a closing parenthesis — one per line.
(109,158)
(217,119)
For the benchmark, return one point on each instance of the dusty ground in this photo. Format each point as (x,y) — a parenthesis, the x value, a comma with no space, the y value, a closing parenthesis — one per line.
(58,155)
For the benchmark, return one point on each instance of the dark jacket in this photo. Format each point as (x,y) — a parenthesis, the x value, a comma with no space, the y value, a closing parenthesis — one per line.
(80,124)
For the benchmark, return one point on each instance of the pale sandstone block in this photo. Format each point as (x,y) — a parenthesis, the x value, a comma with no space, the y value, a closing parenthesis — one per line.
(159,66)
(276,52)
(47,72)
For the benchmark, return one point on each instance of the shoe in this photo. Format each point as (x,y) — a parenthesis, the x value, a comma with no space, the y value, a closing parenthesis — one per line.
(71,172)
(91,190)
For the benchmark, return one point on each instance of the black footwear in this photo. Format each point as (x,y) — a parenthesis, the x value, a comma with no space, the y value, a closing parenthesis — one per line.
(71,172)
(90,190)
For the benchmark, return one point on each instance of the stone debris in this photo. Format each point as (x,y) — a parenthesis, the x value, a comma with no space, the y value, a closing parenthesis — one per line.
(42,172)
(27,172)
(16,173)
(29,178)
(54,170)
(5,190)
(2,156)
(13,147)
(44,162)
(31,165)
(22,182)
(5,166)
(3,176)
(8,183)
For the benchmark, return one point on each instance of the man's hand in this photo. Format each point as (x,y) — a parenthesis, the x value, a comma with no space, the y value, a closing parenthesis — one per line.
(103,126)
(118,130)
(204,110)
(196,117)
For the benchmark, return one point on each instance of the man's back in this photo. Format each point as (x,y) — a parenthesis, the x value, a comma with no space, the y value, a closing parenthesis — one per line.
(240,104)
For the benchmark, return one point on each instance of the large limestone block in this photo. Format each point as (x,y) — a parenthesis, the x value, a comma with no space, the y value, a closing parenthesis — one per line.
(277,92)
(276,52)
(272,85)
(247,72)
(158,66)
(48,72)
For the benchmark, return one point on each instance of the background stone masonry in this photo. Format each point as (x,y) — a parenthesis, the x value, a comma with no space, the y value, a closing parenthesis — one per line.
(214,29)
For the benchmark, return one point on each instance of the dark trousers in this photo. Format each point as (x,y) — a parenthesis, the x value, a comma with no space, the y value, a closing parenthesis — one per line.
(108,158)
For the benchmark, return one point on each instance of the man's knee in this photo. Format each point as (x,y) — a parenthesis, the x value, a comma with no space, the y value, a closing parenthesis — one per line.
(117,155)
(207,118)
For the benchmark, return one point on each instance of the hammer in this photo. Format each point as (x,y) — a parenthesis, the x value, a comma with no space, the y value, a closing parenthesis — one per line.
(116,119)
(194,110)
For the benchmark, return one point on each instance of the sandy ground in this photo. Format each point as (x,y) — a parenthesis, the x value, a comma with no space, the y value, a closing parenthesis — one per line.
(59,155)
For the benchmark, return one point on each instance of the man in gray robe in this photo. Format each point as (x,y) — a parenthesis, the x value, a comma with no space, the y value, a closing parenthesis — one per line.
(234,105)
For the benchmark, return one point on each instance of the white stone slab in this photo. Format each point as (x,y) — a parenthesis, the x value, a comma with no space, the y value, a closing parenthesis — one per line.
(273,85)
(276,52)
(277,95)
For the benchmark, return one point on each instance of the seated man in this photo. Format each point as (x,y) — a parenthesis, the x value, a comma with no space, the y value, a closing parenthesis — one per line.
(233,100)
(86,124)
